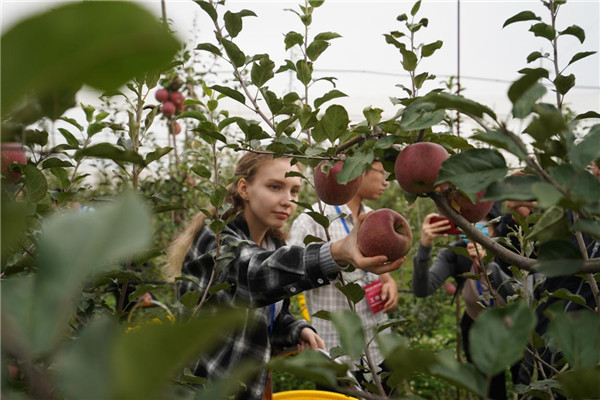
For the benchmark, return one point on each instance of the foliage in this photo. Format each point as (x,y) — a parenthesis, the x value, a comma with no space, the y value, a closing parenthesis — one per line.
(85,228)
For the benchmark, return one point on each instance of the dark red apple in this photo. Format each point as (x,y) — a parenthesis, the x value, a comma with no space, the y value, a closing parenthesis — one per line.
(168,109)
(176,128)
(472,212)
(417,166)
(385,232)
(177,99)
(329,190)
(12,152)
(161,95)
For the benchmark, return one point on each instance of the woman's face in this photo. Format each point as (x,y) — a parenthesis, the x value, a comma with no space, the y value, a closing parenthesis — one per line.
(268,196)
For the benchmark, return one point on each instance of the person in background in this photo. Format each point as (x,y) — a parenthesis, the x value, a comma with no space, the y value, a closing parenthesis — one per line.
(329,297)
(477,294)
(263,273)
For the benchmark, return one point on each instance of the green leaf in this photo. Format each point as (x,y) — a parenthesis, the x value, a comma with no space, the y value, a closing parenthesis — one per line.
(576,31)
(262,71)
(353,291)
(525,83)
(499,335)
(571,332)
(199,115)
(546,194)
(355,165)
(558,258)
(208,8)
(409,60)
(327,36)
(581,383)
(217,198)
(333,94)
(587,226)
(580,56)
(549,122)
(83,51)
(564,83)
(586,151)
(553,219)
(236,56)
(292,39)
(543,30)
(304,71)
(35,183)
(463,375)
(415,8)
(111,152)
(229,92)
(71,247)
(311,366)
(316,48)
(524,105)
(421,115)
(350,330)
(430,48)
(55,162)
(95,128)
(334,123)
(211,48)
(459,103)
(473,170)
(513,187)
(373,115)
(69,137)
(565,294)
(157,154)
(502,141)
(534,56)
(233,21)
(522,16)
(72,122)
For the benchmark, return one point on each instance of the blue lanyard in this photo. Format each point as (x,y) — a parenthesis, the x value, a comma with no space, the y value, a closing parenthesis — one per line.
(272,319)
(337,209)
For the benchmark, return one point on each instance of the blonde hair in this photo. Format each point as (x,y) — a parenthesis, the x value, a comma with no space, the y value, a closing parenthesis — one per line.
(246,167)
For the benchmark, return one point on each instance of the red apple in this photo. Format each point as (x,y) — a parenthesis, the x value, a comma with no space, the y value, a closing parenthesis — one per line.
(177,99)
(472,212)
(329,190)
(384,232)
(168,109)
(417,166)
(176,128)
(161,95)
(450,288)
(12,152)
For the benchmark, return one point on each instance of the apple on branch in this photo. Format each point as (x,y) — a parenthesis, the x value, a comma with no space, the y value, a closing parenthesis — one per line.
(472,212)
(327,187)
(417,166)
(12,152)
(384,232)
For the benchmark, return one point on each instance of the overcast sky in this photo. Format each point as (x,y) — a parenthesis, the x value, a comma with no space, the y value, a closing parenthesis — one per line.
(368,69)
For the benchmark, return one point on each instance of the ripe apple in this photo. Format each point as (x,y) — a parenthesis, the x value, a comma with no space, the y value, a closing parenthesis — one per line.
(384,232)
(329,190)
(176,128)
(168,109)
(450,288)
(12,152)
(417,166)
(472,212)
(177,99)
(161,95)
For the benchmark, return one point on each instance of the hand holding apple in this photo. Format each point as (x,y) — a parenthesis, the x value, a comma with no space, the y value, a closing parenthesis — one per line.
(385,232)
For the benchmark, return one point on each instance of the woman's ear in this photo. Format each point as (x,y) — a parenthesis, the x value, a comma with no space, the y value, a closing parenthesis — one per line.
(242,189)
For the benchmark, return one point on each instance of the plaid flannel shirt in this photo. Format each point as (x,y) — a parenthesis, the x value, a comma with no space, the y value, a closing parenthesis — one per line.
(258,278)
(329,297)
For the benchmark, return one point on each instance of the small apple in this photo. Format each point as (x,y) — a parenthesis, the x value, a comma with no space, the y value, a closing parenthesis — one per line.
(176,128)
(450,288)
(329,190)
(384,232)
(168,109)
(177,99)
(12,152)
(417,166)
(161,95)
(472,212)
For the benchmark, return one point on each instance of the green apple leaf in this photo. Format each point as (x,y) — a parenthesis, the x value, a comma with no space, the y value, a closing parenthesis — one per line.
(581,383)
(502,141)
(333,124)
(558,258)
(350,329)
(111,152)
(355,165)
(571,332)
(233,21)
(473,170)
(513,187)
(522,16)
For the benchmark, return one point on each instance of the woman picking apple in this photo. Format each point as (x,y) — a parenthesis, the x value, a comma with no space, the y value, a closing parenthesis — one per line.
(264,272)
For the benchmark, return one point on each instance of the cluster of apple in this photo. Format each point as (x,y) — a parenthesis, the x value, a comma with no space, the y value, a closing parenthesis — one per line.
(12,152)
(385,231)
(171,103)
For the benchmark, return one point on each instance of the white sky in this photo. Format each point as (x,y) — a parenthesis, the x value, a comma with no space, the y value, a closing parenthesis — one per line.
(368,69)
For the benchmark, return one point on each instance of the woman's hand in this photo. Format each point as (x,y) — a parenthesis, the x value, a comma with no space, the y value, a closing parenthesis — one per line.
(345,251)
(389,292)
(476,252)
(310,340)
(431,230)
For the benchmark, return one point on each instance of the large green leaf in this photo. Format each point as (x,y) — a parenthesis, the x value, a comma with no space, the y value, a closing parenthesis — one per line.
(522,16)
(574,335)
(73,246)
(421,115)
(35,183)
(558,258)
(586,151)
(502,141)
(551,224)
(353,291)
(449,101)
(262,71)
(460,374)
(233,21)
(333,94)
(71,45)
(473,170)
(333,124)
(111,152)
(525,83)
(499,335)
(513,187)
(355,165)
(350,330)
(581,383)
